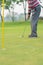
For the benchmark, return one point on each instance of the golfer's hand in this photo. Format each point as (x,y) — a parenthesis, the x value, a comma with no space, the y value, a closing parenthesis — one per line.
(28,16)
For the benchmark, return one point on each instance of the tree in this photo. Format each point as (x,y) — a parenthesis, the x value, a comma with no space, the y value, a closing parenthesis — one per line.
(8,2)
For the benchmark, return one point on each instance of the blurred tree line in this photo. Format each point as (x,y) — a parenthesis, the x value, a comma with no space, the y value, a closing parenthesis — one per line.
(7,5)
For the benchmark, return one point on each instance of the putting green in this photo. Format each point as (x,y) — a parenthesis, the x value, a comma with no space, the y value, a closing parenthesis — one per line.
(21,51)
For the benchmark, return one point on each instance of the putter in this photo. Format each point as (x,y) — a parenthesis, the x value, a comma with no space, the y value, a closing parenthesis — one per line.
(24,6)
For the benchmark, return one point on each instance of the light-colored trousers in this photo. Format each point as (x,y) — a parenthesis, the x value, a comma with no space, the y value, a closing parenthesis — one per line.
(34,19)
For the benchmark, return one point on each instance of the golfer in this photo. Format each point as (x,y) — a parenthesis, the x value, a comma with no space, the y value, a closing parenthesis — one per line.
(34,9)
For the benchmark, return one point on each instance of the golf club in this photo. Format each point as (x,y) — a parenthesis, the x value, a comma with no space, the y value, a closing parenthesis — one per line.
(24,6)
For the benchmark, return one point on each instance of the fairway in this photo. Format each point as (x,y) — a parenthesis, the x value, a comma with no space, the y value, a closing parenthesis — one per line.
(21,51)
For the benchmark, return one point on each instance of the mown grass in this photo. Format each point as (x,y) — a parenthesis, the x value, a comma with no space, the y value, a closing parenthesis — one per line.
(21,51)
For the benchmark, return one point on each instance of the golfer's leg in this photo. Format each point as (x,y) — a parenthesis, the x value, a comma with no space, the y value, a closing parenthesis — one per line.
(34,20)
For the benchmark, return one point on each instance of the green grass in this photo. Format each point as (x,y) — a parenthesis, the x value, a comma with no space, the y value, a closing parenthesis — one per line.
(21,51)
